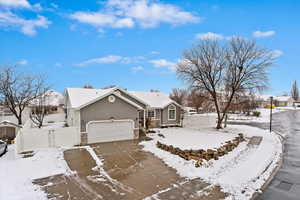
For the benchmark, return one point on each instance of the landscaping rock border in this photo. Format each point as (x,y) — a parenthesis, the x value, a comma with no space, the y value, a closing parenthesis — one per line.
(200,155)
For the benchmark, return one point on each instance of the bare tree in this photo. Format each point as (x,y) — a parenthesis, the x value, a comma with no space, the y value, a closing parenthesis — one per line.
(88,86)
(18,89)
(196,99)
(40,107)
(295,91)
(154,90)
(178,95)
(224,69)
(109,86)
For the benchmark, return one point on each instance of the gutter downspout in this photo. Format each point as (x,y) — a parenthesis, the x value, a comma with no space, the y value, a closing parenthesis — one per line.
(144,118)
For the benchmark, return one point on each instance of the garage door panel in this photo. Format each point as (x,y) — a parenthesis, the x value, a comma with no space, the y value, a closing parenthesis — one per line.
(107,131)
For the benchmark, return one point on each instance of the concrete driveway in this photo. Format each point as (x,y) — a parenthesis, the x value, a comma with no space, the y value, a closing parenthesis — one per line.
(127,173)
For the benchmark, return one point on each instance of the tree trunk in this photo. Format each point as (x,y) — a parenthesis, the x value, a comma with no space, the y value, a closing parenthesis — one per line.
(19,120)
(219,123)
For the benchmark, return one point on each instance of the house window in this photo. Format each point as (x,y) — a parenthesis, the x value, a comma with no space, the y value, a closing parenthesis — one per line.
(172,112)
(151,113)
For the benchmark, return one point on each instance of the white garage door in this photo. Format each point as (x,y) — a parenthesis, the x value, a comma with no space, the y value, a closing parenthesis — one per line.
(108,130)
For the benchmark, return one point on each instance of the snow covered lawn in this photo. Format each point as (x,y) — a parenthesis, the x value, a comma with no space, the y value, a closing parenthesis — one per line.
(16,173)
(264,115)
(239,173)
(192,139)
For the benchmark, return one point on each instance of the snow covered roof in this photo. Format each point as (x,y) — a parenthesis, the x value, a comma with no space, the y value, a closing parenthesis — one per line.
(264,97)
(153,99)
(5,122)
(52,98)
(283,98)
(278,98)
(80,97)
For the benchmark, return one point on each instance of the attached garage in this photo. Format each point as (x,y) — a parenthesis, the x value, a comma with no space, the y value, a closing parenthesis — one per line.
(110,130)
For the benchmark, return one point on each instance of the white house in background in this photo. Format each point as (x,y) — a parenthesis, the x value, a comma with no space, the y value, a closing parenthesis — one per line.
(263,100)
(53,99)
(112,114)
(283,101)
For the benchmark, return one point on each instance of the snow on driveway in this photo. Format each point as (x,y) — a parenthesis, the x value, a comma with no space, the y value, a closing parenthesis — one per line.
(240,173)
(16,173)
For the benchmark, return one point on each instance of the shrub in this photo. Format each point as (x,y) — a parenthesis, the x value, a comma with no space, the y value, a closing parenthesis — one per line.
(256,113)
(269,106)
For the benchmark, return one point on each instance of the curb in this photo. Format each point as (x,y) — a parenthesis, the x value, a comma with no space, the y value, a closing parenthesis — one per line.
(273,174)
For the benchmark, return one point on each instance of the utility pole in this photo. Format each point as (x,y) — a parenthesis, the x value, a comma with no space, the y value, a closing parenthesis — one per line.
(271,108)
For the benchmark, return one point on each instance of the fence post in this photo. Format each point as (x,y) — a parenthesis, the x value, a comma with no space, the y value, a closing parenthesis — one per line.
(19,142)
(53,136)
(49,138)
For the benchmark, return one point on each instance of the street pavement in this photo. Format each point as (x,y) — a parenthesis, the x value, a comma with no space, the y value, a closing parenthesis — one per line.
(286,183)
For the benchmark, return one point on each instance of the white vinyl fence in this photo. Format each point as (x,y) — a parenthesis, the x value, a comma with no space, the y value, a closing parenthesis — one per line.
(29,139)
(199,121)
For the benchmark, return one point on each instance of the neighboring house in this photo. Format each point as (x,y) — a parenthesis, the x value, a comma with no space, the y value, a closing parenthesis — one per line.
(53,100)
(8,130)
(111,114)
(278,101)
(283,101)
(263,100)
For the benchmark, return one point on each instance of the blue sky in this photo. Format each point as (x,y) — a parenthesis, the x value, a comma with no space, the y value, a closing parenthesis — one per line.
(135,44)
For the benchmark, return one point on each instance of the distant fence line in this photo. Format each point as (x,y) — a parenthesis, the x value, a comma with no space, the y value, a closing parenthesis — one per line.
(199,121)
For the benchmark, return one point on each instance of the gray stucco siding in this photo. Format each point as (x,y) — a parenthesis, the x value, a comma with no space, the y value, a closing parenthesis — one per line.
(105,110)
(164,117)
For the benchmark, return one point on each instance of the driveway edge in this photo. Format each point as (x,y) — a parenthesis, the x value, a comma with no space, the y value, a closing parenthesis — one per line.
(274,172)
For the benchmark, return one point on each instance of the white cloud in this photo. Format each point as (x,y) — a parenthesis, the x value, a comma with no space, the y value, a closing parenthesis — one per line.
(101,20)
(260,34)
(15,3)
(162,63)
(277,53)
(209,36)
(137,68)
(111,59)
(37,7)
(22,62)
(58,64)
(20,4)
(119,34)
(54,5)
(155,52)
(106,59)
(128,13)
(26,26)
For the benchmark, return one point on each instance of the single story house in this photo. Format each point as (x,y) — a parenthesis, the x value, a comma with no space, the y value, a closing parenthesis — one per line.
(52,100)
(283,101)
(104,115)
(263,100)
